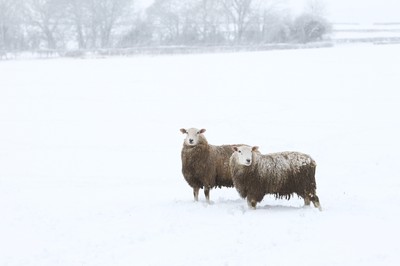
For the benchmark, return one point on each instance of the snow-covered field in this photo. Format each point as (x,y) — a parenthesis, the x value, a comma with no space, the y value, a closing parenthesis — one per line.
(365,31)
(364,35)
(90,158)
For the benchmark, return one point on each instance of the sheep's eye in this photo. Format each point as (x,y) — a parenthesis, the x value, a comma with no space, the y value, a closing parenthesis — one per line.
(240,151)
(198,132)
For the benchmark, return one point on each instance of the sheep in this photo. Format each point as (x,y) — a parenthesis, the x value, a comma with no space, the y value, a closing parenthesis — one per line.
(204,165)
(282,174)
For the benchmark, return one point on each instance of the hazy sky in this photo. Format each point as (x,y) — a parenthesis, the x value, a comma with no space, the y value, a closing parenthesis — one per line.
(365,11)
(362,11)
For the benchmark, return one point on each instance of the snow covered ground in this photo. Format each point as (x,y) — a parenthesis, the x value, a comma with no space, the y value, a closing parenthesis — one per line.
(90,158)
(365,31)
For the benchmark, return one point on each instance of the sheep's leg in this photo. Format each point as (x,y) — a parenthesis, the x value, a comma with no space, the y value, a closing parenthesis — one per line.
(307,200)
(252,203)
(196,193)
(207,193)
(315,201)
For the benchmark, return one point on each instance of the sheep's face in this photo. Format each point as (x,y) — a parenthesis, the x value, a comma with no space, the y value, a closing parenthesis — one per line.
(192,135)
(244,154)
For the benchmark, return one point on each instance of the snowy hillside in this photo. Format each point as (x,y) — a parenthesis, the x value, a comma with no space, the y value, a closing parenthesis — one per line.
(90,158)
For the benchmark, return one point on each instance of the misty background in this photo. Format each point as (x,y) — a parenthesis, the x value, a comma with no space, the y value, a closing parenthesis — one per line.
(91,24)
(78,26)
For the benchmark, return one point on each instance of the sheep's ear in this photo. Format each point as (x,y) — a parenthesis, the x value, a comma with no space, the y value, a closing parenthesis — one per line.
(202,130)
(255,148)
(183,131)
(234,148)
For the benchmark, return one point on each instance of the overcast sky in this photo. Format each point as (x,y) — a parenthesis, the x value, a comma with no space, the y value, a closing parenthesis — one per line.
(364,11)
(361,11)
(356,11)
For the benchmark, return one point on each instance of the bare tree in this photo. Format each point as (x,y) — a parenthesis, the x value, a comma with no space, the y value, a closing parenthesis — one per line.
(309,28)
(140,34)
(275,22)
(311,25)
(316,8)
(78,13)
(165,19)
(10,24)
(46,15)
(208,16)
(276,27)
(239,14)
(105,14)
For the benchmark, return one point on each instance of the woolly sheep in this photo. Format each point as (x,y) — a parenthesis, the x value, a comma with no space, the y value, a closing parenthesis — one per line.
(281,174)
(204,165)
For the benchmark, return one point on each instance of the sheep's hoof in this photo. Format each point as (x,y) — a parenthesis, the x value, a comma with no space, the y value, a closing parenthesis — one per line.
(209,203)
(252,204)
(318,206)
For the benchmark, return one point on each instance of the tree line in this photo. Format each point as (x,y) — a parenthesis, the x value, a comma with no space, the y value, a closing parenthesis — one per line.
(93,24)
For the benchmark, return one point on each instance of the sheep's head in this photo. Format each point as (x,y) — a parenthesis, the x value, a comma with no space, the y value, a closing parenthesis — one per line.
(244,154)
(192,135)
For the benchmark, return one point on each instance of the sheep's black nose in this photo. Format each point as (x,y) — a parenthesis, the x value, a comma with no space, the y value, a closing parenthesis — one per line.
(248,160)
(190,140)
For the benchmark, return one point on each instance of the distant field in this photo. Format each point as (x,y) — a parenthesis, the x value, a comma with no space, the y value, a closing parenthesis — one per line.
(366,33)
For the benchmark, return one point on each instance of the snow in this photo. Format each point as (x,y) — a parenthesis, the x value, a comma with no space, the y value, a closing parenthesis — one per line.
(364,35)
(90,158)
(365,31)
